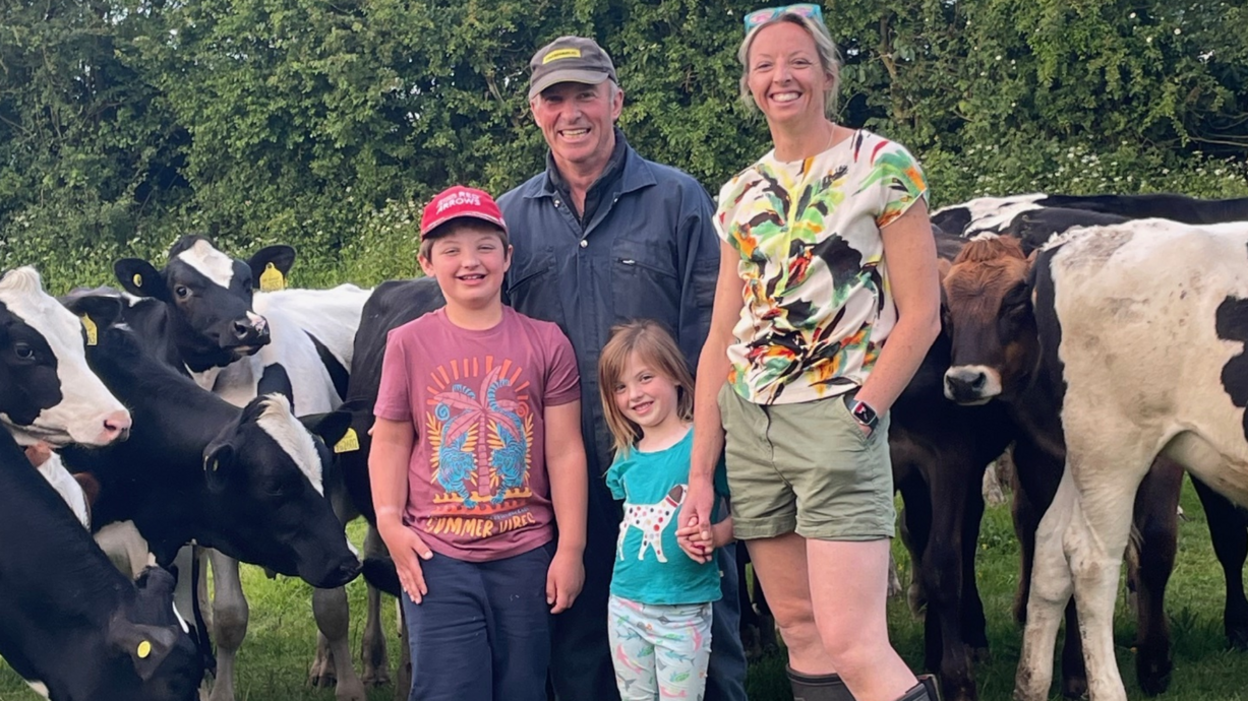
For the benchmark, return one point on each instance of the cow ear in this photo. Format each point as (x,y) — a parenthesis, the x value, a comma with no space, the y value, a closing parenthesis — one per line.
(147,646)
(101,310)
(139,278)
(218,461)
(331,427)
(280,257)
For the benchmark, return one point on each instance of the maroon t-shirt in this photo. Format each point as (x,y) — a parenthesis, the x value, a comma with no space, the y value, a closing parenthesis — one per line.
(477,483)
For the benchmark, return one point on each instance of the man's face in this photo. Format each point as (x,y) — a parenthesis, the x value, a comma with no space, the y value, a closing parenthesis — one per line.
(577,120)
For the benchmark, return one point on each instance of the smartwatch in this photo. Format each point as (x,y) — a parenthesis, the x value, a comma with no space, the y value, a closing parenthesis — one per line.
(862,413)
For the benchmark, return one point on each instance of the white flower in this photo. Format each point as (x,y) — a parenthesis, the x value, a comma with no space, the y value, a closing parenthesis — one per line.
(1132,15)
(1177,31)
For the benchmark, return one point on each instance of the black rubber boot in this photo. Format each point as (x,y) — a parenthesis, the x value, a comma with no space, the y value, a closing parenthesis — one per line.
(928,689)
(822,687)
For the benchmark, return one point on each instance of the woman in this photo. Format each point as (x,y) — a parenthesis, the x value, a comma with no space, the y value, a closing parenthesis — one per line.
(827,252)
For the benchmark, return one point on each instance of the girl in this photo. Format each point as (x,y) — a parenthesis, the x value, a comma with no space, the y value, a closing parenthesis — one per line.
(659,613)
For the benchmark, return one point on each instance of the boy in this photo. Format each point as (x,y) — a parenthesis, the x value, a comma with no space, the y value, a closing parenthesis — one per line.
(467,496)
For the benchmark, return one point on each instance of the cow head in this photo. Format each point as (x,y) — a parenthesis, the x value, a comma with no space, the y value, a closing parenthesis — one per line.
(273,464)
(988,313)
(149,631)
(209,296)
(47,392)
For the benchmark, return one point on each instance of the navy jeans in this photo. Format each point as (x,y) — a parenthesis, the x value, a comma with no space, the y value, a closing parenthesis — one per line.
(581,669)
(483,630)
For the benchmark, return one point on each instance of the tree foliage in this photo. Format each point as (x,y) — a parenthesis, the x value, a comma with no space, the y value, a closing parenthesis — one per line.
(323,124)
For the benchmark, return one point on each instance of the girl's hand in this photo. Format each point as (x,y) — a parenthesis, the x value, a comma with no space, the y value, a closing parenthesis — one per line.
(721,533)
(564,580)
(407,550)
(694,531)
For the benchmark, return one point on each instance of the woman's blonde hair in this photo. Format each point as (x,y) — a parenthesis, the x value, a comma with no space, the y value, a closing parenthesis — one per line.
(829,59)
(655,347)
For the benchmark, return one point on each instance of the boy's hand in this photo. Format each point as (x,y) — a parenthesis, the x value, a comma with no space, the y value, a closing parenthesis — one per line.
(407,550)
(564,580)
(38,453)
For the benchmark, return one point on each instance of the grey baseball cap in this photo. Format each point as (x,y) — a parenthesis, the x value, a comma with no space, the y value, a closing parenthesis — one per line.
(569,60)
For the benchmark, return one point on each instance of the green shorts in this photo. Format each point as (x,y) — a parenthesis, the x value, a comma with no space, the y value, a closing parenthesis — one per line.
(806,467)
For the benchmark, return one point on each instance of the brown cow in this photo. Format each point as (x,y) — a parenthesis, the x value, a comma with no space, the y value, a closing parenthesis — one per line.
(995,353)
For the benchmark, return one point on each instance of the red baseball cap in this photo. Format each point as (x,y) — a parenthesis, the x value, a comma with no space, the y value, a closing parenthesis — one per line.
(459,201)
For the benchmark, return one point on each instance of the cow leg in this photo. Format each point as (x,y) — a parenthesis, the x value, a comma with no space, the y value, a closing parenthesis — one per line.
(333,619)
(748,627)
(1036,477)
(229,615)
(941,575)
(1228,529)
(373,646)
(403,675)
(1108,475)
(1050,590)
(974,623)
(1156,521)
(916,528)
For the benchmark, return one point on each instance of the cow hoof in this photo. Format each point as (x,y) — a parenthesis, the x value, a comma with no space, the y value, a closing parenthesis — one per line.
(1075,688)
(1237,636)
(1153,672)
(350,692)
(375,676)
(320,679)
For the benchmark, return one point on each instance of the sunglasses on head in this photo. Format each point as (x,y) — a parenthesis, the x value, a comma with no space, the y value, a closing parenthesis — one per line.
(805,9)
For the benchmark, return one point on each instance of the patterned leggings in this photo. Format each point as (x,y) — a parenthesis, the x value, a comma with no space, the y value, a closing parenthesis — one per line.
(659,652)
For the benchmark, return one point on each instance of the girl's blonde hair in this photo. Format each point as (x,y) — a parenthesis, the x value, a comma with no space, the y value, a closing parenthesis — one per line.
(655,346)
(825,47)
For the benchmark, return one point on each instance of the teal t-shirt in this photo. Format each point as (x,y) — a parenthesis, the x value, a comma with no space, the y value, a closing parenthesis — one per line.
(650,567)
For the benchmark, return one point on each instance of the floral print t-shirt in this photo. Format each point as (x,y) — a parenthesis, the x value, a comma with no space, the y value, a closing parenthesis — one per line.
(818,304)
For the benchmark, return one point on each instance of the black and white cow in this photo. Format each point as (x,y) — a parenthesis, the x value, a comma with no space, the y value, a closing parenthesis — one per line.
(42,352)
(239,343)
(996,360)
(1105,298)
(247,482)
(72,625)
(1008,215)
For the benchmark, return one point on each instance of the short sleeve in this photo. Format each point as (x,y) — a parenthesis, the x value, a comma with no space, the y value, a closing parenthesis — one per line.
(896,180)
(394,394)
(726,206)
(615,478)
(563,380)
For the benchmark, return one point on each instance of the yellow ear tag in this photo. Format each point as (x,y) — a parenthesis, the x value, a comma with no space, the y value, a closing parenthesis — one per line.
(145,649)
(138,280)
(350,441)
(93,333)
(272,280)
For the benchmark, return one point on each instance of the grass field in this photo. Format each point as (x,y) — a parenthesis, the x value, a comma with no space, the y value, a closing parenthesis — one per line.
(280,640)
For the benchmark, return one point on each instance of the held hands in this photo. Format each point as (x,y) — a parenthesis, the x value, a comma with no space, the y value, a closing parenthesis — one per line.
(695,533)
(564,580)
(407,550)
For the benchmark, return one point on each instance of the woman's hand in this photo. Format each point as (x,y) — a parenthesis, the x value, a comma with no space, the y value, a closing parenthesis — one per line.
(694,532)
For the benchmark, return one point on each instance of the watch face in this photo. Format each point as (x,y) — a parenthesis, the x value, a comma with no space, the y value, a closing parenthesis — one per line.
(864,414)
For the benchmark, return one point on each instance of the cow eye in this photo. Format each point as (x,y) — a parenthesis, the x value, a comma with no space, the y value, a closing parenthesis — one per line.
(182,291)
(24,351)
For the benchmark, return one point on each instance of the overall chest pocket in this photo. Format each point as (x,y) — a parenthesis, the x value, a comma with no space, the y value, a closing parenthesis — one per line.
(645,280)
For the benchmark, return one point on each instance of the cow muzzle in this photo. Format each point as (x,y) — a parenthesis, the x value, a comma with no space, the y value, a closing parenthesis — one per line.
(971,385)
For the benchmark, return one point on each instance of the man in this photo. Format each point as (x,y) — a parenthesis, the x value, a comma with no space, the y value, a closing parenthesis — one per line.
(603,236)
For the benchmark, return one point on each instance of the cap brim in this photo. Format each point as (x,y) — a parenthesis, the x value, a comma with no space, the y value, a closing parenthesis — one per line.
(568,75)
(463,215)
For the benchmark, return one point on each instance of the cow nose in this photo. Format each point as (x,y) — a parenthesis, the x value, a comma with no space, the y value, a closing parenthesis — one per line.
(347,571)
(248,333)
(116,427)
(962,384)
